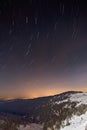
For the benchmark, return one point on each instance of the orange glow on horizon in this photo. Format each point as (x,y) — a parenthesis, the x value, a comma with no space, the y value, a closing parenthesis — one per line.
(51,92)
(41,93)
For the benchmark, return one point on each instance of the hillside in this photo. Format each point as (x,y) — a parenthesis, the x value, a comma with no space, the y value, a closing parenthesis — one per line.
(66,111)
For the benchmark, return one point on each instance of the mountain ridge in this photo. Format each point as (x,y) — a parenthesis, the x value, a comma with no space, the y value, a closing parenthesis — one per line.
(10,99)
(48,111)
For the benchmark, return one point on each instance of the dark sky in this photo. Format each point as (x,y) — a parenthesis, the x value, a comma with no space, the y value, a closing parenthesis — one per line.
(43,47)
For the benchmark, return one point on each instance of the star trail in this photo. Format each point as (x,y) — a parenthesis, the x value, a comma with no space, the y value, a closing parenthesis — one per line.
(43,47)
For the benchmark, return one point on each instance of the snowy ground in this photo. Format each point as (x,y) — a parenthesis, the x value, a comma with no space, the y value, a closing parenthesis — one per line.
(76,123)
(32,126)
(81,98)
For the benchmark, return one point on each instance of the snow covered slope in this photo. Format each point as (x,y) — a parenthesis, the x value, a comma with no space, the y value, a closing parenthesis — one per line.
(66,111)
(76,123)
(73,117)
(80,98)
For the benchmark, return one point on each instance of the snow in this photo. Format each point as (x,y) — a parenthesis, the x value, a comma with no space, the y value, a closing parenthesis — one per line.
(80,98)
(76,123)
(31,126)
(61,101)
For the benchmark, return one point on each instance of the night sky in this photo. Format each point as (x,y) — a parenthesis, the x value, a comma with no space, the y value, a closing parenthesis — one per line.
(43,47)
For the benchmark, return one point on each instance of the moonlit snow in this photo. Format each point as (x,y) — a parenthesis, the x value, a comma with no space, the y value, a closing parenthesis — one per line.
(80,98)
(76,123)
